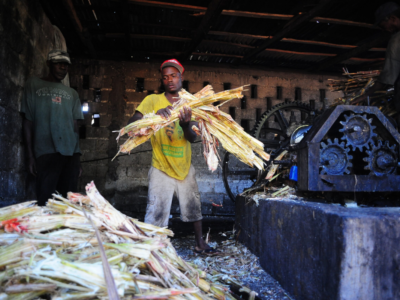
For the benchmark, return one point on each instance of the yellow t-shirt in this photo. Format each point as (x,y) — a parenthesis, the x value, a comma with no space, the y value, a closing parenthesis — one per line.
(172,153)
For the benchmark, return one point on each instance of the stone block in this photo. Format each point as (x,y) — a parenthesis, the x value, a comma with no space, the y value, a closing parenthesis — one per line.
(340,253)
(105,96)
(105,120)
(206,186)
(87,145)
(135,97)
(107,82)
(96,82)
(97,132)
(102,145)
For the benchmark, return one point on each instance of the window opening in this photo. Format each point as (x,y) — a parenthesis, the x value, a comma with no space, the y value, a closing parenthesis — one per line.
(97,95)
(140,85)
(297,94)
(232,112)
(227,86)
(96,120)
(85,82)
(253,91)
(279,92)
(243,103)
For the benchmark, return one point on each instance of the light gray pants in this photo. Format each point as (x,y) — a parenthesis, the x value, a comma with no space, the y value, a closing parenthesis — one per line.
(161,191)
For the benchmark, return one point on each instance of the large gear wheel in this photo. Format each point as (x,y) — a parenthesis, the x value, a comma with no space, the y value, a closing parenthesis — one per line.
(382,159)
(274,129)
(334,158)
(357,131)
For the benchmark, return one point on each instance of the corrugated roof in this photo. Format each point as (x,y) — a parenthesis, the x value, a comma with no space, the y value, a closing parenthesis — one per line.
(147,29)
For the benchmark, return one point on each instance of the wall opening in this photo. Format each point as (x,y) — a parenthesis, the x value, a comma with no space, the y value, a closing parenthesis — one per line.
(253,91)
(97,95)
(140,85)
(85,107)
(85,82)
(279,92)
(185,85)
(322,95)
(96,120)
(243,103)
(245,124)
(227,86)
(269,103)
(258,114)
(232,112)
(297,94)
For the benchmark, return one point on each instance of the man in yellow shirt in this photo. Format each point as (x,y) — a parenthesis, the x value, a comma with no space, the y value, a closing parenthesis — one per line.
(171,171)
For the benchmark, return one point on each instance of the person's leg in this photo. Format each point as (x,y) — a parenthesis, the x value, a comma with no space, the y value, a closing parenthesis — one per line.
(68,180)
(190,205)
(159,200)
(198,236)
(49,167)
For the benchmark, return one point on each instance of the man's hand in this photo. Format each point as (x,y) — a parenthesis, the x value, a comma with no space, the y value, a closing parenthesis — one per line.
(185,116)
(32,166)
(165,113)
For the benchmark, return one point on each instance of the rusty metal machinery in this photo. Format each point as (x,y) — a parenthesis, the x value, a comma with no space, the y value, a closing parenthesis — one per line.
(344,149)
(366,160)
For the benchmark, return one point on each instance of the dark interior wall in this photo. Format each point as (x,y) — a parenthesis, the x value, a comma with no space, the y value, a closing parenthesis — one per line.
(26,36)
(123,85)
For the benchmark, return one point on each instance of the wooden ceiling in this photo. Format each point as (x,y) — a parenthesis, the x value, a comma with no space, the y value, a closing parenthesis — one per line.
(313,35)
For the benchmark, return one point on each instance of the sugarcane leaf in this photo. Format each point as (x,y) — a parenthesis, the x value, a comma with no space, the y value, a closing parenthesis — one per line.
(109,278)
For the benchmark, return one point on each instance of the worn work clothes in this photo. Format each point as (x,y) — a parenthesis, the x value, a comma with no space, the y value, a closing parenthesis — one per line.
(172,153)
(52,107)
(161,191)
(391,68)
(56,172)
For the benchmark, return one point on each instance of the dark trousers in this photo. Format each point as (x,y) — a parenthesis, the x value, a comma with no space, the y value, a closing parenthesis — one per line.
(56,172)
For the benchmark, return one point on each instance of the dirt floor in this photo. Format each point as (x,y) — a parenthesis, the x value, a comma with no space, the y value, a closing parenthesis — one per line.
(235,261)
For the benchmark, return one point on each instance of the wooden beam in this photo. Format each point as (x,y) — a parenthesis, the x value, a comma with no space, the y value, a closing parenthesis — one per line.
(247,14)
(217,54)
(368,44)
(214,9)
(147,37)
(310,42)
(76,23)
(292,52)
(168,5)
(291,26)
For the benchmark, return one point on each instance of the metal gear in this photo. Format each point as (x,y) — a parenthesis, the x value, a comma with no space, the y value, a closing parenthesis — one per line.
(382,159)
(334,158)
(357,131)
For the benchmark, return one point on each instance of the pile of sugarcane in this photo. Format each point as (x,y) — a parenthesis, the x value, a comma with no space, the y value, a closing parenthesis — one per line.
(356,85)
(83,248)
(215,127)
(355,81)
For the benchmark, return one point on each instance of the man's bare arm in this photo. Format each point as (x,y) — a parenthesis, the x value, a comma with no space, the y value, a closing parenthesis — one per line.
(137,116)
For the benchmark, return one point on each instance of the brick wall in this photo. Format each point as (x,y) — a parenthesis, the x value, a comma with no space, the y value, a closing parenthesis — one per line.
(124,180)
(26,36)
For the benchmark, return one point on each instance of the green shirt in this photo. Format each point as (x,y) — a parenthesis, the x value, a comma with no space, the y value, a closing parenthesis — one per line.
(52,107)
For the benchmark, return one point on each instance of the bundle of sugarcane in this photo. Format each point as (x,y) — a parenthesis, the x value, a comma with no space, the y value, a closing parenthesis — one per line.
(356,85)
(353,87)
(214,126)
(83,248)
(354,82)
